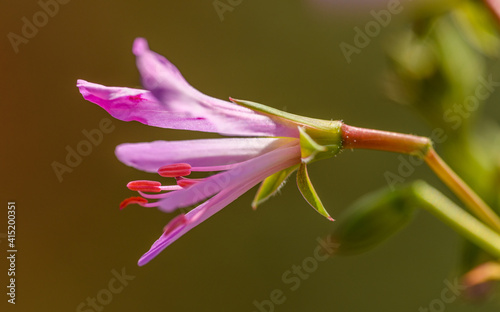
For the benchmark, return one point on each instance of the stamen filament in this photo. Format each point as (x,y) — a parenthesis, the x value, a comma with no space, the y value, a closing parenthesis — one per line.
(214,168)
(170,187)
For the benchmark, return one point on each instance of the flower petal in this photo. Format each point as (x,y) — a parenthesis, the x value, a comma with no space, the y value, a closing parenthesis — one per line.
(208,152)
(129,104)
(166,83)
(210,207)
(192,219)
(261,166)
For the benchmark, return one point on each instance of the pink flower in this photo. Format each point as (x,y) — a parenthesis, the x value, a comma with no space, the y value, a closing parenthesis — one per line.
(278,144)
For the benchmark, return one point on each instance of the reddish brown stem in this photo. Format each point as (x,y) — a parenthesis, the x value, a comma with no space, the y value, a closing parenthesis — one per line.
(354,137)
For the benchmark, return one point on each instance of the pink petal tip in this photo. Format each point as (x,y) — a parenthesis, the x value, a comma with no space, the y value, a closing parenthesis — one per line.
(140,45)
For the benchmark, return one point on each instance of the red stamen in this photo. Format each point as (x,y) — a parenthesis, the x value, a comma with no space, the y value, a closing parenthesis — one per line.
(144,186)
(133,200)
(185,182)
(180,220)
(175,170)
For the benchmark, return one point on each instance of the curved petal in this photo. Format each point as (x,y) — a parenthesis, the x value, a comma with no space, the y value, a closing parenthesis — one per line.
(261,166)
(209,208)
(193,218)
(166,83)
(198,153)
(129,104)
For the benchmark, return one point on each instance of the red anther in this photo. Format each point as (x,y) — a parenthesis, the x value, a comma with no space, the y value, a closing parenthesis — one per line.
(133,200)
(144,186)
(175,170)
(184,182)
(176,222)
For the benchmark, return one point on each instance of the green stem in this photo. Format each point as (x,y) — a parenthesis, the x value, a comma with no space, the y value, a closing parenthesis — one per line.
(353,137)
(462,190)
(457,218)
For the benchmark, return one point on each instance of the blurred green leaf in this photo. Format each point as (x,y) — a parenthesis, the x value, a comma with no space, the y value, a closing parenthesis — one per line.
(413,55)
(478,27)
(373,219)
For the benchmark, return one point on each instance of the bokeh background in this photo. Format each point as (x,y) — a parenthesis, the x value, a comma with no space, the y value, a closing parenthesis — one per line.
(71,234)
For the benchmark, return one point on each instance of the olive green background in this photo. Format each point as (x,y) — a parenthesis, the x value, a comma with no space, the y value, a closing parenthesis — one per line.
(71,234)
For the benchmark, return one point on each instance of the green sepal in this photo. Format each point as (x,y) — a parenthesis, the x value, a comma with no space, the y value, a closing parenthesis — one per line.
(308,147)
(308,191)
(295,119)
(323,138)
(271,185)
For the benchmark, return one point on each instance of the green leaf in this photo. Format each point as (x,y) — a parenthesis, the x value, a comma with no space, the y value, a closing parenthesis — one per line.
(372,219)
(271,185)
(308,191)
(478,27)
(457,218)
(308,147)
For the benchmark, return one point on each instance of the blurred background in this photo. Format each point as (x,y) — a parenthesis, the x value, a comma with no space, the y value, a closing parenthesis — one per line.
(71,237)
